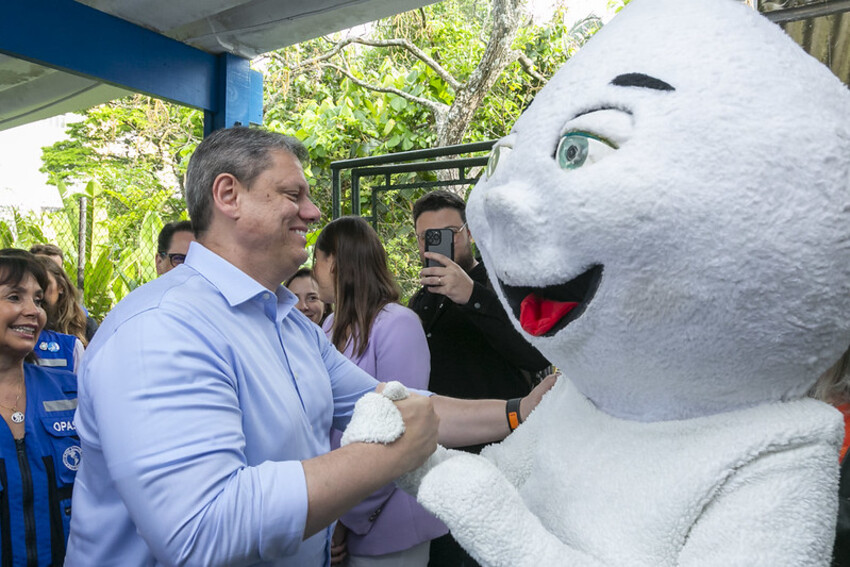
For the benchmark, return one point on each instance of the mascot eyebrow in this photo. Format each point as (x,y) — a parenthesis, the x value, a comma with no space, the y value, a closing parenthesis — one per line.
(641,80)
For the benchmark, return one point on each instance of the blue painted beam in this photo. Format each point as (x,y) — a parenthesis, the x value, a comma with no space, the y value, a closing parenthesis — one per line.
(72,37)
(240,92)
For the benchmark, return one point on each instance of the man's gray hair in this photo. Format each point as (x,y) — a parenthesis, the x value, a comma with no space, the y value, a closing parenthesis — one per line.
(240,151)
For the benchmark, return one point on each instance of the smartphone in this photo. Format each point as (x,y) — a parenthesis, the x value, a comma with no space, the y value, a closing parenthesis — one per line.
(442,241)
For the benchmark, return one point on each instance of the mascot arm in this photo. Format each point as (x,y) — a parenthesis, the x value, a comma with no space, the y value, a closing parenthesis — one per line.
(487,516)
(778,510)
(514,457)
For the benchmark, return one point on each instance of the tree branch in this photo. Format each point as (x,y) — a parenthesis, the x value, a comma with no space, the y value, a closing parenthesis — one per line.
(434,107)
(528,66)
(416,52)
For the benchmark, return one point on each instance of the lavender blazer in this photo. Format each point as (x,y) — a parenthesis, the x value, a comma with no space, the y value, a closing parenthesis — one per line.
(391,520)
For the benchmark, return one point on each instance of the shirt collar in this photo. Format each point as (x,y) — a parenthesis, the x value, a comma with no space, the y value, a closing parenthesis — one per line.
(236,286)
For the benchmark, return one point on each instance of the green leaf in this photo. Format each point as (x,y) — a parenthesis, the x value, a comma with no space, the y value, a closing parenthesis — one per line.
(388,127)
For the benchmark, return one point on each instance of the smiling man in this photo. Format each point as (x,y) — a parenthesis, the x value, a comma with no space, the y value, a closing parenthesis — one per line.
(207,398)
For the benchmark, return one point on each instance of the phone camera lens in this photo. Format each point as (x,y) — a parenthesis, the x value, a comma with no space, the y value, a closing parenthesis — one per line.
(433,237)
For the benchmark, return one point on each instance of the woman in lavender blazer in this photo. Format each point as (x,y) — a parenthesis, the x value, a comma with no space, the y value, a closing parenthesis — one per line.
(386,340)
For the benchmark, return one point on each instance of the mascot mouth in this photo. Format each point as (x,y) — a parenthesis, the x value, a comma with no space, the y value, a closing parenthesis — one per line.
(542,312)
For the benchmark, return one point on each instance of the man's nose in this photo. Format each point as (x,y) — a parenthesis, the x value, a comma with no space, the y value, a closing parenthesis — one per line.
(309,212)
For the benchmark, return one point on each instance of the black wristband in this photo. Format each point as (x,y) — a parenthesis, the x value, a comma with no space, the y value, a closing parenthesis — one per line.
(513,414)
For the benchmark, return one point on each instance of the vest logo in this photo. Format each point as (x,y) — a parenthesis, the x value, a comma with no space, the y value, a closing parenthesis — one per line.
(63,425)
(42,345)
(53,346)
(71,457)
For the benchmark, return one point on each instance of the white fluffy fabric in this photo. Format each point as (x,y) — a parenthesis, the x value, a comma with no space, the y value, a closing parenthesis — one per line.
(715,201)
(574,486)
(375,418)
(720,222)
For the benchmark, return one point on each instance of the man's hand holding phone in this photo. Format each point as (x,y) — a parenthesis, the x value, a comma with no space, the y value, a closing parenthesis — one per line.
(449,279)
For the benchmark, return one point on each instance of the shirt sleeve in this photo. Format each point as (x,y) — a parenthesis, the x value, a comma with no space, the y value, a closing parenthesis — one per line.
(170,431)
(348,381)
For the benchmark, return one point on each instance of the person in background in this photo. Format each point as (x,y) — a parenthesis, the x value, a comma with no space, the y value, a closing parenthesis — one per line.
(55,254)
(51,251)
(386,340)
(39,448)
(173,245)
(206,400)
(833,387)
(475,350)
(305,288)
(61,343)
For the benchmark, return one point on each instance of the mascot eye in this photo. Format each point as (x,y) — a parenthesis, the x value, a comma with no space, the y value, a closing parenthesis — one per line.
(579,148)
(498,152)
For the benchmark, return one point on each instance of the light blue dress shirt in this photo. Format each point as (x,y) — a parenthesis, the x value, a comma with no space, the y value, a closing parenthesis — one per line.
(198,398)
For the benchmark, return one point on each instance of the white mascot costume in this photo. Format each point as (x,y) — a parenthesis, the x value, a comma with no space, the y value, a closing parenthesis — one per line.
(669,223)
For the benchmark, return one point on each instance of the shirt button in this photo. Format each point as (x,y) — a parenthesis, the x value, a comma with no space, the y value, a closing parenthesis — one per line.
(425,308)
(477,305)
(266,296)
(428,336)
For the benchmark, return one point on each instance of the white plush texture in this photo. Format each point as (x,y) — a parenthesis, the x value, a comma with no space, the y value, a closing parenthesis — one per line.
(394,391)
(721,221)
(753,487)
(678,435)
(375,418)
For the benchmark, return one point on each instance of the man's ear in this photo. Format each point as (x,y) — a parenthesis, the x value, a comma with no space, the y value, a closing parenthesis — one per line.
(225,194)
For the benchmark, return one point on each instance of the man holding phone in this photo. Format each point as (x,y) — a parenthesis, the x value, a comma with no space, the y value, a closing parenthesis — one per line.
(475,351)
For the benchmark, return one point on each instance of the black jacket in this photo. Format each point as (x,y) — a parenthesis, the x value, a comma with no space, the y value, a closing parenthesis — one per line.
(841,552)
(475,351)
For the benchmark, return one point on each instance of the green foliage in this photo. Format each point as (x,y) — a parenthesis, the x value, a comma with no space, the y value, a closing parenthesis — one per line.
(125,161)
(338,119)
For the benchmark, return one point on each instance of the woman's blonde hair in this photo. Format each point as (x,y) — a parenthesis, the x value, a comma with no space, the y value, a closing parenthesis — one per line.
(833,386)
(66,316)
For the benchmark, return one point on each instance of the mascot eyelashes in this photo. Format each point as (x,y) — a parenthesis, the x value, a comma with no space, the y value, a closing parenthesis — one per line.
(669,223)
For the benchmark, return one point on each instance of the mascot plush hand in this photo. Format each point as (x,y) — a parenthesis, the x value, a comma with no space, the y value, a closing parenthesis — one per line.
(669,223)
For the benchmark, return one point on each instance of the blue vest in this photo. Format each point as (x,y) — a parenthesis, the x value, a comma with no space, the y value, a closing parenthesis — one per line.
(55,350)
(37,473)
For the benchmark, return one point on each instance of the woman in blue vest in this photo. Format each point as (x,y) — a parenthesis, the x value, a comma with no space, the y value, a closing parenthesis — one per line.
(39,447)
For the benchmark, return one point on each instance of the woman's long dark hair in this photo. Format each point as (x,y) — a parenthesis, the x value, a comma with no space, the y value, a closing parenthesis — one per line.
(363,284)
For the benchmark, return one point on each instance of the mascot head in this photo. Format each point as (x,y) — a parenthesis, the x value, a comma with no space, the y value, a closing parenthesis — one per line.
(669,221)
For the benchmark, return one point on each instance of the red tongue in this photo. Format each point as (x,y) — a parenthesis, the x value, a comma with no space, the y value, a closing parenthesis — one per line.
(538,315)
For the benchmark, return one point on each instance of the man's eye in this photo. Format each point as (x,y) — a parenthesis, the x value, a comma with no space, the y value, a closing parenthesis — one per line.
(580,148)
(497,153)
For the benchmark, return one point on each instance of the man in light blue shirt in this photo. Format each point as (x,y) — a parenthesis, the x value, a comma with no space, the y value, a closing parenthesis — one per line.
(206,400)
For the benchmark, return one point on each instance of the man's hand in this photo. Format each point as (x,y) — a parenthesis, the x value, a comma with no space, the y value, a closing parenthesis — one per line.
(421,426)
(451,280)
(528,403)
